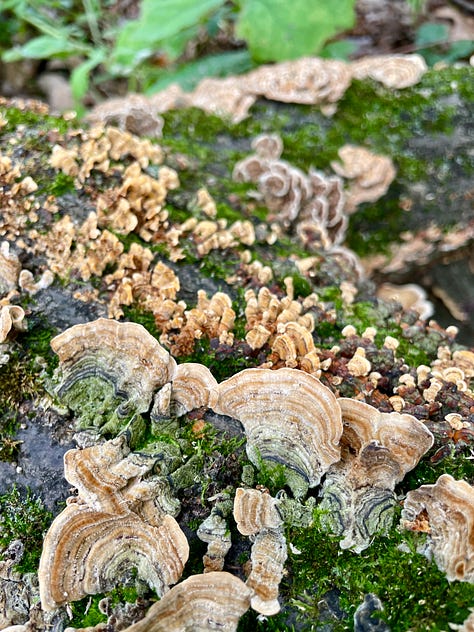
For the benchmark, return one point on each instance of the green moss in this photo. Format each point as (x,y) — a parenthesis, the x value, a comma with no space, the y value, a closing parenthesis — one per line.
(16,117)
(94,403)
(24,517)
(86,612)
(61,185)
(414,593)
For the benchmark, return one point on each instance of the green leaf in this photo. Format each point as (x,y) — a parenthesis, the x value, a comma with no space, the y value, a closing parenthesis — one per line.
(279,29)
(159,20)
(80,74)
(342,49)
(188,75)
(44,47)
(431,33)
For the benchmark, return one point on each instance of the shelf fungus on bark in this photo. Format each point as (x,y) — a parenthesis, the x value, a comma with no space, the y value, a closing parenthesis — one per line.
(110,370)
(109,478)
(289,418)
(445,511)
(370,174)
(215,531)
(268,556)
(87,552)
(211,601)
(255,510)
(191,388)
(394,71)
(10,267)
(11,317)
(377,450)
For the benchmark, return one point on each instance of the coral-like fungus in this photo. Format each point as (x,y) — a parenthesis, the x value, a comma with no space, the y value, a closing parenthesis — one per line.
(445,511)
(121,359)
(377,450)
(212,601)
(289,418)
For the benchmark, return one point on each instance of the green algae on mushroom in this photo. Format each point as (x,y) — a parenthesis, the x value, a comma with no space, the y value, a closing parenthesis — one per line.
(119,363)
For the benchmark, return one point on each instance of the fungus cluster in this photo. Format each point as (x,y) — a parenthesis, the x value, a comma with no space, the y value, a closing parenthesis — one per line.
(289,419)
(309,80)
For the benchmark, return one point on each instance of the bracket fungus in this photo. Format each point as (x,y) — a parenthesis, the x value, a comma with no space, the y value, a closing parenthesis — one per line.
(120,358)
(289,417)
(109,478)
(191,387)
(211,601)
(87,551)
(267,557)
(377,450)
(255,510)
(215,531)
(394,71)
(445,511)
(370,174)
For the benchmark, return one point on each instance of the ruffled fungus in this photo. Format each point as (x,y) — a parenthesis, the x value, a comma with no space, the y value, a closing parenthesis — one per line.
(255,510)
(87,551)
(289,418)
(377,450)
(267,557)
(394,71)
(445,511)
(370,174)
(212,601)
(119,359)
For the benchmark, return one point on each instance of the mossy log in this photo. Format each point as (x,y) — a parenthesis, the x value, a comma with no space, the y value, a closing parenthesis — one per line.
(426,131)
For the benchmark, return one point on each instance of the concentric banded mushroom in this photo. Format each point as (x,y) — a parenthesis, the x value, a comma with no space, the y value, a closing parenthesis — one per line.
(268,557)
(121,356)
(212,601)
(445,511)
(289,417)
(86,552)
(255,510)
(377,450)
(191,387)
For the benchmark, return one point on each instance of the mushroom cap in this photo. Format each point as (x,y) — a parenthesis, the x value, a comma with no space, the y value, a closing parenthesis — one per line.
(289,417)
(394,71)
(214,600)
(124,354)
(378,449)
(404,436)
(255,511)
(448,508)
(191,387)
(268,557)
(87,551)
